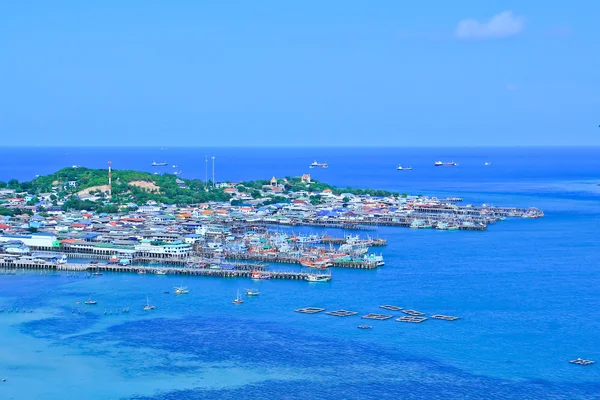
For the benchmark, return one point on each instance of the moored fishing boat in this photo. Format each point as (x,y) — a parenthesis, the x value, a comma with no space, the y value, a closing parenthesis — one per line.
(315,164)
(148,307)
(318,278)
(181,290)
(238,298)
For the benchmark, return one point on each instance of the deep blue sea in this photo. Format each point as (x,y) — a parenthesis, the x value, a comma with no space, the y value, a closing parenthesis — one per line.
(527,292)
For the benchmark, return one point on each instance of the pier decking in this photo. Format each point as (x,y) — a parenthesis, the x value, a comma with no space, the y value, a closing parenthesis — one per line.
(221,273)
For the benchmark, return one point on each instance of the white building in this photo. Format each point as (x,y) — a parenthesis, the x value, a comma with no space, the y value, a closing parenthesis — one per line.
(33,240)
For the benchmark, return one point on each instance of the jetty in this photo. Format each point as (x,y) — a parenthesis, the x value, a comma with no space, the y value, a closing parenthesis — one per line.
(209,272)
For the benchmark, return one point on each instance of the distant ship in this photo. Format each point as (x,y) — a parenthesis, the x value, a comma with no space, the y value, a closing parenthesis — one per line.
(315,164)
(158,164)
(487,164)
(177,173)
(445,164)
(401,168)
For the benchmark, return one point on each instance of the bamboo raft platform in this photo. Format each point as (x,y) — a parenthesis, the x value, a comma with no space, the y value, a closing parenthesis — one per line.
(341,313)
(411,319)
(391,308)
(444,317)
(218,273)
(310,310)
(413,313)
(379,317)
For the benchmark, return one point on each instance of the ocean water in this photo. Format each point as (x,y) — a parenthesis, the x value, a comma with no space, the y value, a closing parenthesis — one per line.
(526,291)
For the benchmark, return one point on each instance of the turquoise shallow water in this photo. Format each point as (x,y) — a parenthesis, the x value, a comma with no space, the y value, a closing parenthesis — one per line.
(526,292)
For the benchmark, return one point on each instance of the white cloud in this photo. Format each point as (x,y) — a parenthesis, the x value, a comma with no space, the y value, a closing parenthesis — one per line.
(499,26)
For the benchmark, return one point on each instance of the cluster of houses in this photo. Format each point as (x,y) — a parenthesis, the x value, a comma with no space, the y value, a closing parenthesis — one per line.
(165,230)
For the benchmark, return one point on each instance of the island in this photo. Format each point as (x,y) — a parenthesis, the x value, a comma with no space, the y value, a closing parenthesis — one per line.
(132,221)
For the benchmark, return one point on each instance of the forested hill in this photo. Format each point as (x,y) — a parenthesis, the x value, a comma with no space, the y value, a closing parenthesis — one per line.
(74,184)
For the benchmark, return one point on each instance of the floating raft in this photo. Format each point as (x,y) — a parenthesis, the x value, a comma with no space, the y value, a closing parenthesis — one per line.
(310,310)
(413,319)
(413,313)
(444,317)
(364,327)
(379,317)
(341,313)
(580,361)
(391,308)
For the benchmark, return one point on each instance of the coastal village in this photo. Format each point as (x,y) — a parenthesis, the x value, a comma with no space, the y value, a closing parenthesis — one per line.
(235,237)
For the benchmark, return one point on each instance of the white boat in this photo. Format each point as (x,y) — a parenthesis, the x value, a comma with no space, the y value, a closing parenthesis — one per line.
(181,290)
(158,164)
(401,168)
(91,302)
(148,307)
(141,271)
(318,278)
(315,164)
(177,173)
(238,299)
(161,272)
(174,165)
(252,292)
(445,164)
(487,163)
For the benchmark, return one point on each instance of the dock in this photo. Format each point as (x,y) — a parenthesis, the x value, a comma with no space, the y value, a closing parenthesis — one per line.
(209,272)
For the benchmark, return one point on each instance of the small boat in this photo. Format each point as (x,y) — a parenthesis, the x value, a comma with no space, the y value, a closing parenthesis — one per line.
(181,290)
(445,164)
(141,271)
(91,302)
(315,164)
(96,273)
(401,168)
(174,165)
(364,327)
(318,278)
(258,275)
(487,164)
(580,361)
(158,164)
(238,299)
(126,310)
(177,173)
(148,307)
(160,272)
(113,260)
(252,292)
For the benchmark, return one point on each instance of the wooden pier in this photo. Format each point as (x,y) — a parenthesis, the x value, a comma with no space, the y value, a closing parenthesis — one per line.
(219,273)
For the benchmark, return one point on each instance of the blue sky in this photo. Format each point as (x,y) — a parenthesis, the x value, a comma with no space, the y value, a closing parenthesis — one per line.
(305,73)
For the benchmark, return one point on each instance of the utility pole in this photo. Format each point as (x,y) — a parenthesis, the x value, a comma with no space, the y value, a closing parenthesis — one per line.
(206,172)
(213,160)
(110,180)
